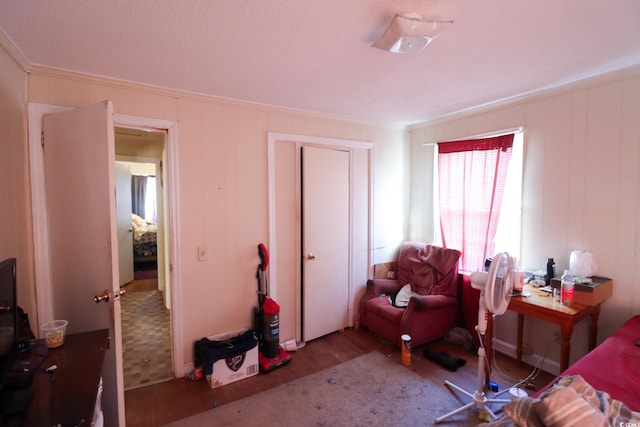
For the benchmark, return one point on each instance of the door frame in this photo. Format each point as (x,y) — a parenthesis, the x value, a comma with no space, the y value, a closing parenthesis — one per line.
(274,138)
(36,112)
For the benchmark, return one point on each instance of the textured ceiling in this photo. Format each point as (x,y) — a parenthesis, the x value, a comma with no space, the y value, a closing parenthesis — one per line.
(316,55)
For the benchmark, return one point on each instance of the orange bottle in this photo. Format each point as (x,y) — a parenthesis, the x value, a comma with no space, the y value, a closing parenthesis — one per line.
(406,350)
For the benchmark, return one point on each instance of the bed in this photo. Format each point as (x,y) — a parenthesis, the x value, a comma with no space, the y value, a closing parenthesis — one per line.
(145,240)
(602,388)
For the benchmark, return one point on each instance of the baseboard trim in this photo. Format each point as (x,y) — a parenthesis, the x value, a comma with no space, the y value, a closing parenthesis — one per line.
(545,364)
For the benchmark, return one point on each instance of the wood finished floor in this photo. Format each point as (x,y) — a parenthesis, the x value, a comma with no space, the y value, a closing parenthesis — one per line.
(169,401)
(141,285)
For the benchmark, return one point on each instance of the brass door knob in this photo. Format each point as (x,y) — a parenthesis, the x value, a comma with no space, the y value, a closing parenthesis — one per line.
(105,296)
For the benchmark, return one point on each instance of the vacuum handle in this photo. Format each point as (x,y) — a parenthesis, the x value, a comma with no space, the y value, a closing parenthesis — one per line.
(264,256)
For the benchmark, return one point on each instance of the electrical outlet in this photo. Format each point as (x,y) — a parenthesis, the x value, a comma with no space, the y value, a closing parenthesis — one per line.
(527,349)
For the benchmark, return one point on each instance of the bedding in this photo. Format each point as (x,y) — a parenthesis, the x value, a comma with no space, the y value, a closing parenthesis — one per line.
(145,238)
(605,383)
(570,401)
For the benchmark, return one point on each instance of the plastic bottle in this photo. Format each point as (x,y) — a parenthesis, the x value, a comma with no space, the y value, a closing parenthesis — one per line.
(567,288)
(551,271)
(391,274)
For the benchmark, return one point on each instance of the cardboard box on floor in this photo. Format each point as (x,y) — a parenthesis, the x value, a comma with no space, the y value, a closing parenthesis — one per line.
(235,367)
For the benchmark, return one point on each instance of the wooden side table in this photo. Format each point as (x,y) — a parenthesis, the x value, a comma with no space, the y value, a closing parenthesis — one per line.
(541,305)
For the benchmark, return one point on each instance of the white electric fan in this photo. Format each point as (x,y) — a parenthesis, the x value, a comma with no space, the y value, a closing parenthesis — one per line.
(495,292)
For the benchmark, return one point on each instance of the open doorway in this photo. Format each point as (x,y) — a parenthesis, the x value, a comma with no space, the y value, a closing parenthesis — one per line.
(146,314)
(113,401)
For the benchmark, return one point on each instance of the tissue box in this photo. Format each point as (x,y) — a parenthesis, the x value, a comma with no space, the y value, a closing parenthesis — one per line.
(234,366)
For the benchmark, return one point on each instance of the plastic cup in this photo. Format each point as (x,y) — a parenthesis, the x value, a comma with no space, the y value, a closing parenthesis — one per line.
(518,281)
(53,332)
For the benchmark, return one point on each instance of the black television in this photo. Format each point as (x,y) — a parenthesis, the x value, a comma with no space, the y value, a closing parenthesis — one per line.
(8,311)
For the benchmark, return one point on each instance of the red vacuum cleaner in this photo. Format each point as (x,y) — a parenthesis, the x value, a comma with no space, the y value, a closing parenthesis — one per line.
(267,321)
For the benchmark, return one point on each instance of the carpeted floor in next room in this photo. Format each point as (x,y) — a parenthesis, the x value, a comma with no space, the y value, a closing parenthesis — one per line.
(146,339)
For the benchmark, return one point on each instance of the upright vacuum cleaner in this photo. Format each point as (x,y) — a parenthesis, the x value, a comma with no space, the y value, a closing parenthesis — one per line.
(267,321)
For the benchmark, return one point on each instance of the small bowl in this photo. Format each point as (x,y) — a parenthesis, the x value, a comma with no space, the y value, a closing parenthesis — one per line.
(53,332)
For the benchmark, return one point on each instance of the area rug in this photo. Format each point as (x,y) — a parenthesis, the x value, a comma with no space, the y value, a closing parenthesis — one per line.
(371,390)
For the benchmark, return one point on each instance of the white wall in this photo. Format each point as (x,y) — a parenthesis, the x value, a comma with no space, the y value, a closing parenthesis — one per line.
(581,189)
(15,203)
(222,173)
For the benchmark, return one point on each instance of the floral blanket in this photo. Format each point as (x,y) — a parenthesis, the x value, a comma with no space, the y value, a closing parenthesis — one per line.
(145,237)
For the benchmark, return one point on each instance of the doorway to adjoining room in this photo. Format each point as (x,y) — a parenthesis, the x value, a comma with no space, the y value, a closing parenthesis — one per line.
(146,318)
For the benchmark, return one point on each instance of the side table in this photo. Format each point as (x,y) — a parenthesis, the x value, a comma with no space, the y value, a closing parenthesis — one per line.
(541,305)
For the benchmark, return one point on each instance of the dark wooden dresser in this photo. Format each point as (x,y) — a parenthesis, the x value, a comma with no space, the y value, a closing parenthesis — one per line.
(68,396)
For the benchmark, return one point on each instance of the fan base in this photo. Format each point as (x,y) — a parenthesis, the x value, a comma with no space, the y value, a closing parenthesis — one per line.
(479,402)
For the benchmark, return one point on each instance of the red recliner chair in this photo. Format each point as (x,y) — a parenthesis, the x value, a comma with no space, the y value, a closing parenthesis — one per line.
(432,273)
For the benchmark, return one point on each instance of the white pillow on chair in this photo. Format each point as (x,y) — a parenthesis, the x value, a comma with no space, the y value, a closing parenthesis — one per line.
(403,296)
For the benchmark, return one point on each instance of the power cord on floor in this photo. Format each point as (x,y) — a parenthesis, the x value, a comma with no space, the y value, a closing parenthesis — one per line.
(528,380)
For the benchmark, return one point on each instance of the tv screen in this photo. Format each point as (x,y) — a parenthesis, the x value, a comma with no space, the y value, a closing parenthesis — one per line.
(8,309)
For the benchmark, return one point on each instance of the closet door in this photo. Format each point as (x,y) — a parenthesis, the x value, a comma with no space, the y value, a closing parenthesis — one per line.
(325,241)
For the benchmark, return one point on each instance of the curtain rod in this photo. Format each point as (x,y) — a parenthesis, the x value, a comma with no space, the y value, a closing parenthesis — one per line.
(481,135)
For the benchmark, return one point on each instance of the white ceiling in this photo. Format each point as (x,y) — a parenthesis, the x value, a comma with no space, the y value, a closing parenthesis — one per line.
(316,55)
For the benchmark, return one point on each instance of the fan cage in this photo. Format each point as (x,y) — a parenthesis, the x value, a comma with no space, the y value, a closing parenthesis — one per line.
(499,283)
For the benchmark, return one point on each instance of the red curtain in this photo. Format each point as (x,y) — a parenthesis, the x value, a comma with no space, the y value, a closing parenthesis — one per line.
(471,177)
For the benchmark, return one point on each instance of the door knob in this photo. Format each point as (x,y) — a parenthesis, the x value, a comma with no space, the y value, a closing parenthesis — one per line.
(310,257)
(106,295)
(119,293)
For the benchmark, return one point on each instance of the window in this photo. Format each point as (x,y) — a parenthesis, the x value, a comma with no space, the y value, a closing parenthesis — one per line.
(479,206)
(143,197)
(509,232)
(150,213)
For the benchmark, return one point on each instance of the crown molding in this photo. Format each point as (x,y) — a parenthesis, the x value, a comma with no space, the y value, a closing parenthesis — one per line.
(194,96)
(534,95)
(12,50)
